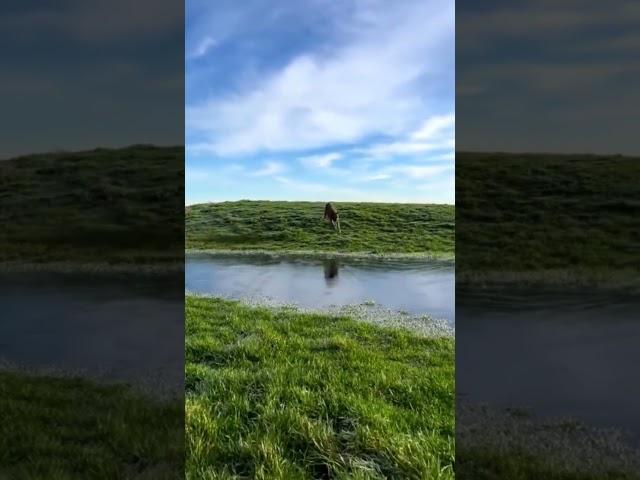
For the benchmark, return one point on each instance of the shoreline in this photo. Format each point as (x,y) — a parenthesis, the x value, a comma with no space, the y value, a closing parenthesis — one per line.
(325,255)
(152,387)
(619,280)
(371,313)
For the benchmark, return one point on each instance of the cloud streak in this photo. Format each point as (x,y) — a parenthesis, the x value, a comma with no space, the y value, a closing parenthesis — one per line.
(203,47)
(320,161)
(270,169)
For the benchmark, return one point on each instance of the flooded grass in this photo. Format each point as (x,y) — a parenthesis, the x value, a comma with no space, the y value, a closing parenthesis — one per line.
(368,312)
(69,428)
(446,258)
(297,228)
(294,395)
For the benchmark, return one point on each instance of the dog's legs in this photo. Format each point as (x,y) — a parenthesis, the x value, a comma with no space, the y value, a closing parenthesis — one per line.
(338,222)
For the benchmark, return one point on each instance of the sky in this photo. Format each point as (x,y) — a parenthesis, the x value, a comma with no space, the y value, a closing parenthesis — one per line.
(548,76)
(81,74)
(320,100)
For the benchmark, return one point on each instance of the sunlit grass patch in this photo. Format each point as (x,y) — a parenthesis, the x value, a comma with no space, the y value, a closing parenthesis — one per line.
(278,394)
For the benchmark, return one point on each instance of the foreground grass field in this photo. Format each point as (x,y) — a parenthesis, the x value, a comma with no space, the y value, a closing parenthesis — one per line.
(563,216)
(61,428)
(289,395)
(297,226)
(99,206)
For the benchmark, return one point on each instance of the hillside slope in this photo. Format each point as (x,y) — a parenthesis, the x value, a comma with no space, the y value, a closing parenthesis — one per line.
(297,226)
(547,213)
(117,206)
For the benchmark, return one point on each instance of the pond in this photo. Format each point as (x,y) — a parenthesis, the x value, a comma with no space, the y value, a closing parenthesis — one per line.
(417,287)
(560,353)
(125,328)
(131,327)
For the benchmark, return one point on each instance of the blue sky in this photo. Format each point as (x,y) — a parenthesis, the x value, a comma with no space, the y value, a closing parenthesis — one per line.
(320,100)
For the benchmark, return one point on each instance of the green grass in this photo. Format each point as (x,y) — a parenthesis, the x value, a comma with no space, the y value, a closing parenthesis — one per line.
(64,428)
(99,206)
(367,228)
(566,216)
(279,394)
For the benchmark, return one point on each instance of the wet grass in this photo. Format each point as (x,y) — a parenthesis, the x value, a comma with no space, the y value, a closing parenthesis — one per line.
(280,394)
(563,217)
(367,228)
(68,428)
(99,206)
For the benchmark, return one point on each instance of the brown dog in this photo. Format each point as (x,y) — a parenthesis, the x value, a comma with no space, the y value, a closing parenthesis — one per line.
(332,215)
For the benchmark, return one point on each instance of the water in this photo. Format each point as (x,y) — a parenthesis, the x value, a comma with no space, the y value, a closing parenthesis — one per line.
(414,287)
(131,328)
(125,328)
(559,353)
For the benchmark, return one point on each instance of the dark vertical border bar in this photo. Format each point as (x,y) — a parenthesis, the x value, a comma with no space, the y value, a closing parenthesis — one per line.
(547,176)
(92,239)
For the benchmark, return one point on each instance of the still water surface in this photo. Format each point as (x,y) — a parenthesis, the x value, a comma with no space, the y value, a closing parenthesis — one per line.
(126,328)
(418,287)
(561,353)
(131,327)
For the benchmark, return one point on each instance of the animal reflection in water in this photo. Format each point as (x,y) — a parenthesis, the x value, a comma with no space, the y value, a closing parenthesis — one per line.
(331,268)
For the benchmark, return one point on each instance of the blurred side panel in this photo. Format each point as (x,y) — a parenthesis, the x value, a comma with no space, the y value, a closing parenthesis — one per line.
(547,240)
(92,239)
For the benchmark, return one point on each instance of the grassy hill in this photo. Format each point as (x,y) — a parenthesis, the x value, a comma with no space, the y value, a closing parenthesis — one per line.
(116,206)
(564,215)
(297,226)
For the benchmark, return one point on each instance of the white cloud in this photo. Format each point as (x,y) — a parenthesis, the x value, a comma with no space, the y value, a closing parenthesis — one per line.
(203,47)
(406,148)
(435,133)
(418,172)
(375,177)
(320,161)
(433,126)
(270,168)
(304,186)
(374,84)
